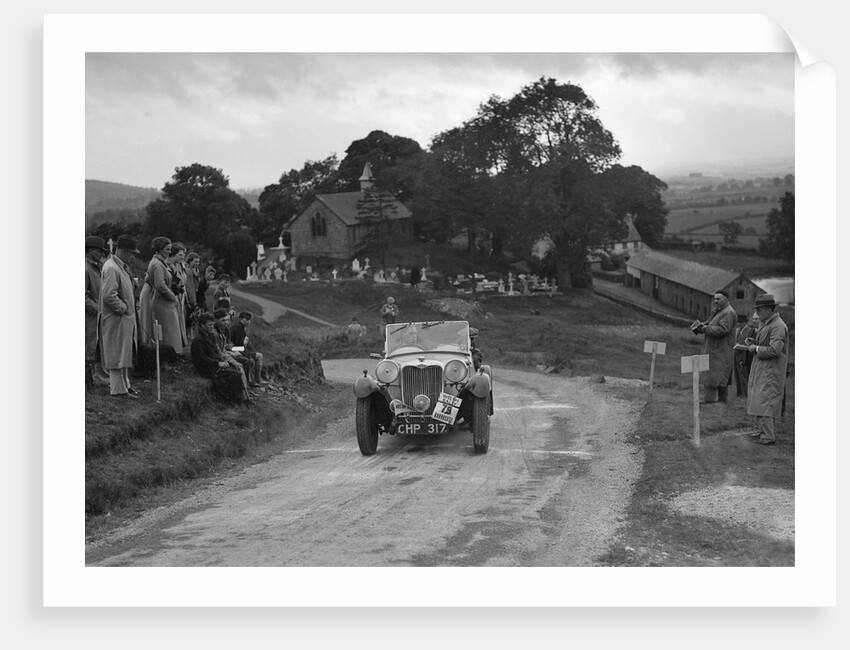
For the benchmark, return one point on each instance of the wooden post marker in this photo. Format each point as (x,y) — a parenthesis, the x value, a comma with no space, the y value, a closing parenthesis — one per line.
(655,347)
(157,335)
(695,365)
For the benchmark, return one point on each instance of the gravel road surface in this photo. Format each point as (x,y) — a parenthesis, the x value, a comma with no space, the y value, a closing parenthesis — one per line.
(551,491)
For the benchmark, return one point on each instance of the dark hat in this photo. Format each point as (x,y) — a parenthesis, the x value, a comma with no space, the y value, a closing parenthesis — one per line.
(128,244)
(473,332)
(93,241)
(765,300)
(723,293)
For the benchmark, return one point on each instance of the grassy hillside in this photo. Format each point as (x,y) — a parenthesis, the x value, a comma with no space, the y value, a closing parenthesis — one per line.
(141,454)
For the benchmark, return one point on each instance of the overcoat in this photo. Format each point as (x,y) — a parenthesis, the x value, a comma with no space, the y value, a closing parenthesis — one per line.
(767,374)
(178,277)
(719,340)
(158,302)
(93,270)
(117,324)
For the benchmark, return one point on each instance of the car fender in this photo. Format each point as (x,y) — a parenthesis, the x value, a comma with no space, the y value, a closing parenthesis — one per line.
(480,384)
(365,385)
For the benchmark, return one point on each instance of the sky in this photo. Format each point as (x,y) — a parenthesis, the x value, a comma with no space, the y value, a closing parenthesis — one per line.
(256,116)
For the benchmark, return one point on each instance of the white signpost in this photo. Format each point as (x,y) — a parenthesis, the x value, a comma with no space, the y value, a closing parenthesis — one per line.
(655,347)
(695,364)
(157,336)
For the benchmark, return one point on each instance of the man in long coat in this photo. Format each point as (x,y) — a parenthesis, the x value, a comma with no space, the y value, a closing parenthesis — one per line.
(117,327)
(767,374)
(719,330)
(744,358)
(95,252)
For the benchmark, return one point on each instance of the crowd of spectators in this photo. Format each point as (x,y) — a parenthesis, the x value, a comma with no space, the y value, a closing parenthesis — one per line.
(170,314)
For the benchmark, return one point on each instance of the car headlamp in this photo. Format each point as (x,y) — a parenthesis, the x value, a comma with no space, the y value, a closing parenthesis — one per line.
(387,371)
(421,403)
(455,371)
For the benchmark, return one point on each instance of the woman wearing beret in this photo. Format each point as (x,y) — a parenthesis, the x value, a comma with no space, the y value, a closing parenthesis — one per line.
(176,265)
(158,302)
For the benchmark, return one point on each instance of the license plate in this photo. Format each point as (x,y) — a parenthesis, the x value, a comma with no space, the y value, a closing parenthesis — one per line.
(446,408)
(420,428)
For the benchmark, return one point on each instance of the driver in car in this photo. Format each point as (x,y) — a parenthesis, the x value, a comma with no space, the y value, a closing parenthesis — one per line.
(476,353)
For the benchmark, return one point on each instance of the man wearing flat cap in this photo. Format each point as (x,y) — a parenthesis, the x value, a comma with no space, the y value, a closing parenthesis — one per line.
(719,330)
(95,252)
(767,375)
(117,328)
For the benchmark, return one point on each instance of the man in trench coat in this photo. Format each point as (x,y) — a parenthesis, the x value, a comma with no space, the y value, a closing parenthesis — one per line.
(117,327)
(96,251)
(766,385)
(719,330)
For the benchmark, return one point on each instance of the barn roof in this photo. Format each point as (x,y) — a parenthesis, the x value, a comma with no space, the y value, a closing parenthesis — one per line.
(701,277)
(344,205)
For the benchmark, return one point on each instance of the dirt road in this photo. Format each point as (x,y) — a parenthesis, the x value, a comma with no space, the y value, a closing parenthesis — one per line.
(550,492)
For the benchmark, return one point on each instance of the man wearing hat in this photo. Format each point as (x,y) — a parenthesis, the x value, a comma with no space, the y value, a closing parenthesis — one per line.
(389,312)
(117,326)
(719,330)
(95,252)
(767,374)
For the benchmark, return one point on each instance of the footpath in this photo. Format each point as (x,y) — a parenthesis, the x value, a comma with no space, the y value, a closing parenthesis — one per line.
(273,310)
(633,297)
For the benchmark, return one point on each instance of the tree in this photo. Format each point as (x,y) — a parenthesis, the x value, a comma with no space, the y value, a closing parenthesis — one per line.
(376,207)
(730,230)
(394,161)
(548,143)
(291,195)
(780,230)
(631,190)
(198,206)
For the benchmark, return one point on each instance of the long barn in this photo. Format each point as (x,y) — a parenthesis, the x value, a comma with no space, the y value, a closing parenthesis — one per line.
(688,286)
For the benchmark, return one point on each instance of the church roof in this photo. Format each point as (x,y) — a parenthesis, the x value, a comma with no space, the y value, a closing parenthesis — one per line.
(344,205)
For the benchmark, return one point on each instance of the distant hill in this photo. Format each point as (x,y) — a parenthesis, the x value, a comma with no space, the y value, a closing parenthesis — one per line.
(116,202)
(119,203)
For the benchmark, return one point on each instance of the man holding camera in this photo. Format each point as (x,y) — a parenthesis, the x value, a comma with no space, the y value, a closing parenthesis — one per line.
(719,331)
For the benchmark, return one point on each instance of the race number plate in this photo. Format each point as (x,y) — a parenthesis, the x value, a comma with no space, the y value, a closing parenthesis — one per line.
(446,408)
(420,428)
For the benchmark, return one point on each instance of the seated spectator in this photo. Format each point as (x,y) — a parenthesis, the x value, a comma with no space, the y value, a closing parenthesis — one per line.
(239,337)
(355,330)
(228,377)
(222,326)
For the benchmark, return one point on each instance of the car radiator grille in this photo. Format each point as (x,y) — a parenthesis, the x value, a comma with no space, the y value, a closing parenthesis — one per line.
(421,381)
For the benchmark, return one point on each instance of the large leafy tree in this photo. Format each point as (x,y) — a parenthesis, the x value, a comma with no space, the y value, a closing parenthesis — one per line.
(455,190)
(780,230)
(293,192)
(199,208)
(546,149)
(394,161)
(634,191)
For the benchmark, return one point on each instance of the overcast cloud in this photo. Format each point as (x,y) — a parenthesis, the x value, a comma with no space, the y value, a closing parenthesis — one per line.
(256,116)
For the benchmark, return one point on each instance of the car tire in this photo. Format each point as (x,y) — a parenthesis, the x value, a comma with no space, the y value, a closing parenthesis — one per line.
(366,418)
(480,425)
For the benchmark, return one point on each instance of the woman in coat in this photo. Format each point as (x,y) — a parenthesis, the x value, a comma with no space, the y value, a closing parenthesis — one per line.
(117,325)
(176,264)
(766,385)
(158,302)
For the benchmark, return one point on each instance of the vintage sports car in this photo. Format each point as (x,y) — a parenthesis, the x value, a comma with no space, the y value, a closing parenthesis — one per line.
(426,383)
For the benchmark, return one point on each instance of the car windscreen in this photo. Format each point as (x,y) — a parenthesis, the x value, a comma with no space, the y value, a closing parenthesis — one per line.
(448,336)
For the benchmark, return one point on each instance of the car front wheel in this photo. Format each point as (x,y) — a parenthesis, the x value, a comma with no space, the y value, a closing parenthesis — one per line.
(480,424)
(366,418)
